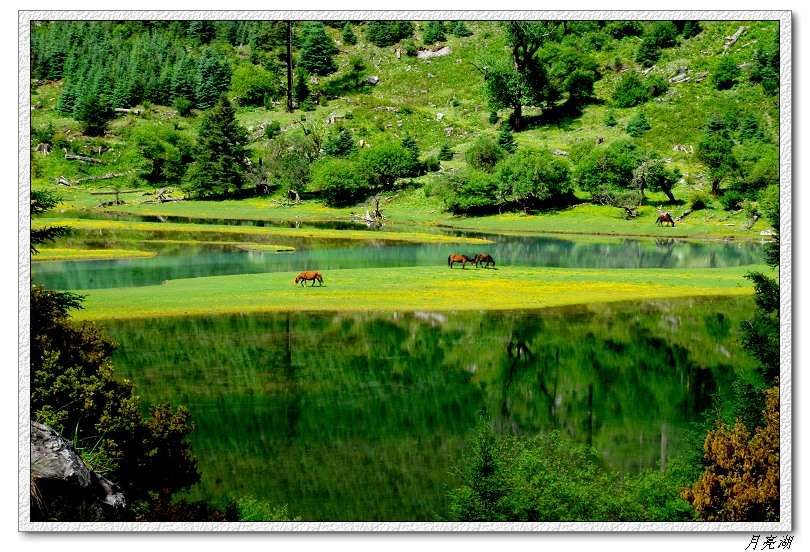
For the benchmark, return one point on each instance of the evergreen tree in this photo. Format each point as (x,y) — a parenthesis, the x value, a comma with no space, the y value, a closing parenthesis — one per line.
(506,139)
(340,144)
(301,89)
(637,125)
(317,50)
(460,29)
(93,104)
(183,78)
(348,35)
(750,129)
(213,78)
(434,32)
(220,152)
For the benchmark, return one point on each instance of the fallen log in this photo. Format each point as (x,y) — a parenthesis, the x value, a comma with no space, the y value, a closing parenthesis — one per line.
(70,156)
(105,177)
(730,40)
(682,215)
(114,192)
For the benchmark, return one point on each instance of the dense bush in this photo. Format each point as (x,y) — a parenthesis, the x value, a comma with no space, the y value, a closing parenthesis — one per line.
(637,125)
(470,192)
(608,169)
(554,478)
(725,73)
(337,181)
(533,178)
(630,91)
(74,390)
(484,153)
(741,482)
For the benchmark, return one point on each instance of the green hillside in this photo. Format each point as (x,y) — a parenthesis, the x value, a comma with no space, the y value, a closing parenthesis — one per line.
(603,106)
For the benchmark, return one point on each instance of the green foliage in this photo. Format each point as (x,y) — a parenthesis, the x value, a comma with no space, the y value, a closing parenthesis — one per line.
(725,73)
(339,144)
(300,87)
(760,334)
(553,478)
(750,129)
(637,125)
(165,150)
(610,119)
(630,91)
(272,129)
(382,165)
(659,34)
(219,154)
(655,175)
(42,201)
(337,181)
(317,50)
(253,85)
(445,152)
(506,140)
(470,192)
(460,29)
(214,78)
(691,28)
(347,35)
(74,391)
(608,169)
(715,150)
(287,160)
(183,106)
(483,154)
(765,69)
(620,29)
(387,33)
(532,178)
(250,508)
(434,32)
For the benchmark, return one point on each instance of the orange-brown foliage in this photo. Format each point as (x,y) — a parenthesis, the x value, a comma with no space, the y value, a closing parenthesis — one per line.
(742,480)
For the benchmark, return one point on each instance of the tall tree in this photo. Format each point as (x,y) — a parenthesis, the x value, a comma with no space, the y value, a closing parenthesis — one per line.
(317,50)
(526,80)
(213,78)
(220,152)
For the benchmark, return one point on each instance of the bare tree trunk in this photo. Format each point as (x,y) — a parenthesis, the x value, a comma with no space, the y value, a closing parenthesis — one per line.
(289,68)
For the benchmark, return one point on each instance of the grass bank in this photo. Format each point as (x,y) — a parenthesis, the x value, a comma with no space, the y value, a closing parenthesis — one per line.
(409,289)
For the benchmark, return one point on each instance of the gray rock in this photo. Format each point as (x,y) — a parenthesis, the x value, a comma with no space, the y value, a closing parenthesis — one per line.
(63,488)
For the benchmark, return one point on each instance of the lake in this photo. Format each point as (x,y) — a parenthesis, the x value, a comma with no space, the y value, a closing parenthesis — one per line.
(364,416)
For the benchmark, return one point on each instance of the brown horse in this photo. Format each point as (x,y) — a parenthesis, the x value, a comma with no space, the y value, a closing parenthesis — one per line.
(456,258)
(483,258)
(309,275)
(664,219)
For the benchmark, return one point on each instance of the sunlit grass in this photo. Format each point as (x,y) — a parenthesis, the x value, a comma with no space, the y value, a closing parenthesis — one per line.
(68,254)
(410,289)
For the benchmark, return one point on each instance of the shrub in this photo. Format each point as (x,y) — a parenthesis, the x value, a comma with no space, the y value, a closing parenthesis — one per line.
(483,154)
(183,105)
(460,29)
(470,192)
(698,200)
(630,91)
(445,152)
(272,129)
(337,181)
(532,178)
(725,73)
(637,125)
(551,477)
(731,200)
(741,482)
(348,35)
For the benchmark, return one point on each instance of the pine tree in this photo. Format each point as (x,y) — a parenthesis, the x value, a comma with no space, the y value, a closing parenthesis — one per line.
(506,139)
(348,35)
(220,152)
(214,78)
(460,29)
(434,32)
(637,125)
(317,51)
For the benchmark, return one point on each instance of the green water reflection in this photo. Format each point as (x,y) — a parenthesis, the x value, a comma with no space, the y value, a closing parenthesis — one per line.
(361,417)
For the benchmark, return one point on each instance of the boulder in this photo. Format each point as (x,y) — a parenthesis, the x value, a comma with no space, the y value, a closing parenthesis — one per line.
(63,488)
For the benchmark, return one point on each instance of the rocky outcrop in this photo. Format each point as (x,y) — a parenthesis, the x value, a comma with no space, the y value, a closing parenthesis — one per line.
(63,488)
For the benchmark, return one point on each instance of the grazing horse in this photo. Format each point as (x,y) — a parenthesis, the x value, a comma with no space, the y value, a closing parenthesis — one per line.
(309,275)
(456,258)
(664,219)
(483,258)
